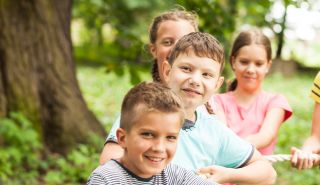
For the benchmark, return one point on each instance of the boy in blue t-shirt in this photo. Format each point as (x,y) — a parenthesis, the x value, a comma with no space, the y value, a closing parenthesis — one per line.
(151,118)
(193,72)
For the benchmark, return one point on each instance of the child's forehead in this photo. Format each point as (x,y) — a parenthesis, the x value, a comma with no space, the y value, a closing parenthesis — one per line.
(152,118)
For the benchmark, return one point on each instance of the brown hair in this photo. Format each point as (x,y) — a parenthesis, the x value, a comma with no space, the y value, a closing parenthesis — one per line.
(202,45)
(146,97)
(173,15)
(246,38)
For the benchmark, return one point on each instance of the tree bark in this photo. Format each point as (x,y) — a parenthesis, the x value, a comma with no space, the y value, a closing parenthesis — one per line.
(281,34)
(37,72)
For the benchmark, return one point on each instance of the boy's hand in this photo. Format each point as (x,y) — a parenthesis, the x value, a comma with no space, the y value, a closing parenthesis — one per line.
(215,173)
(302,159)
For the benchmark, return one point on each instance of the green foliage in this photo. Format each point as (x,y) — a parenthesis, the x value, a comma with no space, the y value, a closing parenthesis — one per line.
(19,151)
(23,161)
(127,20)
(75,167)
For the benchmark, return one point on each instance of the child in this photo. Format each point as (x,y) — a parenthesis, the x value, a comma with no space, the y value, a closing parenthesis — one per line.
(151,118)
(165,30)
(193,72)
(247,109)
(302,159)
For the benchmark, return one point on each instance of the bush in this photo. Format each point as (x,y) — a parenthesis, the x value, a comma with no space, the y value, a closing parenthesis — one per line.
(22,159)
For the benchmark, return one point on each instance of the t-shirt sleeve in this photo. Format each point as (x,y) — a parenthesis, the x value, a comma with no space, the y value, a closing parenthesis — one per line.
(234,152)
(279,101)
(315,90)
(96,179)
(218,101)
(112,137)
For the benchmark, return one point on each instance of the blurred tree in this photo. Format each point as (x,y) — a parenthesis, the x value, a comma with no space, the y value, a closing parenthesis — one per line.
(260,14)
(37,72)
(130,20)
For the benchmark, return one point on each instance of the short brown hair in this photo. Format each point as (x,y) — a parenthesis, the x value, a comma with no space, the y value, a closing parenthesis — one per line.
(152,96)
(202,45)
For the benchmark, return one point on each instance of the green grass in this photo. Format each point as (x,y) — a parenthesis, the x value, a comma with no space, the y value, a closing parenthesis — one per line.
(104,92)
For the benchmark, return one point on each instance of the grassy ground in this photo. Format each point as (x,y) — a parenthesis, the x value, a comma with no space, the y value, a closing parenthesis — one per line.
(104,92)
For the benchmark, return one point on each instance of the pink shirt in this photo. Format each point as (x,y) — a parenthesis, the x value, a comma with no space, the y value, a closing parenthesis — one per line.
(248,121)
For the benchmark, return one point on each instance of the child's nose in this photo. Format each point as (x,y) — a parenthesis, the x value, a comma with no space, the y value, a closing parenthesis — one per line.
(251,68)
(159,145)
(195,79)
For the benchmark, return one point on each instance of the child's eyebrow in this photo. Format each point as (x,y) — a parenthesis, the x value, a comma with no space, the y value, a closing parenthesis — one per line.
(146,130)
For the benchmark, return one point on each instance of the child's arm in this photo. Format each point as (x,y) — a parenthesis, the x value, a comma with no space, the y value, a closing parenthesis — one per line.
(257,171)
(269,129)
(111,150)
(312,144)
(301,158)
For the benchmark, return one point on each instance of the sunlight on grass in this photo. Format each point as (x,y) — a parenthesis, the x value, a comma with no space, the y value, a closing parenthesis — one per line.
(104,92)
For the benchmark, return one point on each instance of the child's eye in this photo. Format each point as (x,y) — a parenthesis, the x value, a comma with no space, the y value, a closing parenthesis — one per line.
(259,64)
(172,138)
(244,62)
(147,135)
(167,42)
(185,68)
(207,75)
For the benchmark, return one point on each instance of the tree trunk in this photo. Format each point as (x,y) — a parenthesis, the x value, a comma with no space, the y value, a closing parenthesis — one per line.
(37,72)
(281,34)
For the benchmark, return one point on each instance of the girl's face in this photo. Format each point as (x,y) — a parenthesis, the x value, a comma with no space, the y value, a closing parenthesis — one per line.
(250,66)
(169,32)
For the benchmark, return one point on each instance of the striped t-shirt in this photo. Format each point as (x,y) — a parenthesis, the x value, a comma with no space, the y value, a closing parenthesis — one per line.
(315,90)
(113,172)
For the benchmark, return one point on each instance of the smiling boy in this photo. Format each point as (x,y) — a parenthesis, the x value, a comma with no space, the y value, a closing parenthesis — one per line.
(151,118)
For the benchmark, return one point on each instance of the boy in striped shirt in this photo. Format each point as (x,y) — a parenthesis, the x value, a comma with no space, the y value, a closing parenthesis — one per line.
(151,118)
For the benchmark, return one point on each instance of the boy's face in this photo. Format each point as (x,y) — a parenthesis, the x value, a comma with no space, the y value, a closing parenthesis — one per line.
(193,78)
(151,142)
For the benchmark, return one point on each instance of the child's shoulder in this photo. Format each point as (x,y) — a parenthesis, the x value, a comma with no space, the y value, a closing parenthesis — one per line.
(110,167)
(271,96)
(209,121)
(108,172)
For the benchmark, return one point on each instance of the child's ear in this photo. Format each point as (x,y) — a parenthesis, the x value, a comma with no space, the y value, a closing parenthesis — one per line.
(269,65)
(152,49)
(232,62)
(166,68)
(121,137)
(219,83)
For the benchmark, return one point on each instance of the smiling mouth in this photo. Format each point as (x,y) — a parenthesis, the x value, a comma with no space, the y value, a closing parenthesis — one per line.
(191,91)
(249,78)
(155,159)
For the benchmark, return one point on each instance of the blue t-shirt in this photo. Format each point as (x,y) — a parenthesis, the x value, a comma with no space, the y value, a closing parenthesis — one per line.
(204,143)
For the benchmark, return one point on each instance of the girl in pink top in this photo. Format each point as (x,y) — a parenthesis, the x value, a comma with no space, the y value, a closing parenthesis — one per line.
(249,111)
